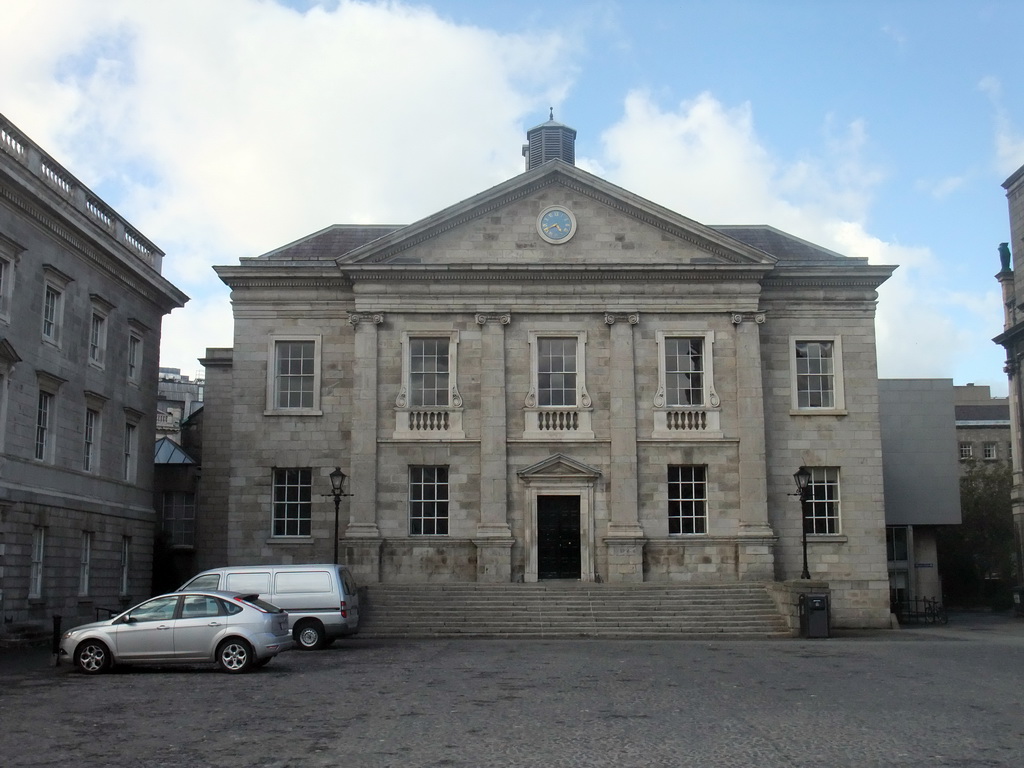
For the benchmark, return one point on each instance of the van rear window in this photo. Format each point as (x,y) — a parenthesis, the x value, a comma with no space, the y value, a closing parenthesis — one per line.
(290,582)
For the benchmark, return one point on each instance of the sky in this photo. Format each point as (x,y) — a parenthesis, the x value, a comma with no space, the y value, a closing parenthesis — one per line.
(224,129)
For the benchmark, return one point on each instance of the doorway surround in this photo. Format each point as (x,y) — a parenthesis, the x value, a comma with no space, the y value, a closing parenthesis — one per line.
(559,475)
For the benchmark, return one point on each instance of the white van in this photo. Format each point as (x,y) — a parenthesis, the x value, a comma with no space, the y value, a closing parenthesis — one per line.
(322,600)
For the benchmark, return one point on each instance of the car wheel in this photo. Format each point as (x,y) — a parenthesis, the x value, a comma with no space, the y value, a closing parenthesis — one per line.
(234,655)
(92,657)
(310,635)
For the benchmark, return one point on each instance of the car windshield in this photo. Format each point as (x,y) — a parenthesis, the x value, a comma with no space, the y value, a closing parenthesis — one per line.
(255,602)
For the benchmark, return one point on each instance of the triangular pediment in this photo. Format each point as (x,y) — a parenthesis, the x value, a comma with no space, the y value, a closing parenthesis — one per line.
(499,227)
(560,466)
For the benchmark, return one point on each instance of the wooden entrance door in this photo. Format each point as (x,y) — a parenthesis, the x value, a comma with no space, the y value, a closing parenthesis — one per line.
(558,537)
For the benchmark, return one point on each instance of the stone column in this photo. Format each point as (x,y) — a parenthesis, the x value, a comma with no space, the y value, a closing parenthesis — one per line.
(493,534)
(362,537)
(625,539)
(756,538)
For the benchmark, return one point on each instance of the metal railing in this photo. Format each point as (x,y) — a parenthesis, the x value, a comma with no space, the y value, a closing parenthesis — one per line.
(920,610)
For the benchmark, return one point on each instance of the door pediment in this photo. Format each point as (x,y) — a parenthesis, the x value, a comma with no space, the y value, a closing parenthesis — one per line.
(558,466)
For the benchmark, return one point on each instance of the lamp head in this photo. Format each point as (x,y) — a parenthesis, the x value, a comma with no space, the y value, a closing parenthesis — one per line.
(338,479)
(803,478)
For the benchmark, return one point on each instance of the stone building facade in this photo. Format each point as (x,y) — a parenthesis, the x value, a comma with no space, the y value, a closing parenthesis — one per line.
(81,303)
(553,379)
(1011,279)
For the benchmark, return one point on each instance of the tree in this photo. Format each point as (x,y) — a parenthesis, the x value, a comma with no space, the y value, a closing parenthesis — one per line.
(977,556)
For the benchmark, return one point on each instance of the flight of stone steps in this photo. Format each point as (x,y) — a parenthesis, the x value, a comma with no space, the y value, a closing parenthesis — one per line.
(550,610)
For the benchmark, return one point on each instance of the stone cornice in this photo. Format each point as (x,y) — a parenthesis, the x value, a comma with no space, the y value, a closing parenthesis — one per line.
(153,286)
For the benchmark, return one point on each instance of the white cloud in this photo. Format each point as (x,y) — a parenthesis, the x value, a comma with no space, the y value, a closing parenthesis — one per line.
(227,129)
(1009,142)
(705,160)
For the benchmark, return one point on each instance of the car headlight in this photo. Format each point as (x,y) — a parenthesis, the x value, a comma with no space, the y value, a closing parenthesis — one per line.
(68,635)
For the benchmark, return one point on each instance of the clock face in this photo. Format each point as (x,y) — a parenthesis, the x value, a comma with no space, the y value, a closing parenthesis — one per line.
(556,224)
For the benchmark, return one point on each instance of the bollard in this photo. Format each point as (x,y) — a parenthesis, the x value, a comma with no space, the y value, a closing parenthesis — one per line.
(55,647)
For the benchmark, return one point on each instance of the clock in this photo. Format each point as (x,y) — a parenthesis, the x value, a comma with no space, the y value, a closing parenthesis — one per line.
(556,224)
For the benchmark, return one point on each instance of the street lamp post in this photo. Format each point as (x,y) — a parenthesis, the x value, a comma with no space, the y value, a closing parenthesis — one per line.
(803,481)
(338,479)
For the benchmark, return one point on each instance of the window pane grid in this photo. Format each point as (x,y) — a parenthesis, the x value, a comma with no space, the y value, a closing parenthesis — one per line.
(295,370)
(556,372)
(179,515)
(687,500)
(43,424)
(428,501)
(90,438)
(429,367)
(51,309)
(684,371)
(293,502)
(823,501)
(815,374)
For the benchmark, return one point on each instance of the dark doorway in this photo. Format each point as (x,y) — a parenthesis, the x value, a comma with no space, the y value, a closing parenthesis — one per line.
(558,537)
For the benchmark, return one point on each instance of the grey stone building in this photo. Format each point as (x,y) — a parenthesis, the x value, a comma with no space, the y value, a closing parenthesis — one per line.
(81,303)
(553,379)
(922,490)
(982,425)
(1011,279)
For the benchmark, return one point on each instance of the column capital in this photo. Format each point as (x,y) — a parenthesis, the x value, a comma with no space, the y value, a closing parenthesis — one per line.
(633,318)
(741,317)
(355,318)
(504,318)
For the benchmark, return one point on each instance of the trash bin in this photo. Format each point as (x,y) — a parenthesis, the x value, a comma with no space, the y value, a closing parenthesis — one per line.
(1018,601)
(814,615)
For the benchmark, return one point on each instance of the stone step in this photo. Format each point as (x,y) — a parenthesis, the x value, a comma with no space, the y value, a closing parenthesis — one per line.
(573,609)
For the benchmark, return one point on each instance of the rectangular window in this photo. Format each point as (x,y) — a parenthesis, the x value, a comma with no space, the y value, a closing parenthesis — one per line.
(52,300)
(35,578)
(179,518)
(84,563)
(896,542)
(97,338)
(428,501)
(293,502)
(44,426)
(428,372)
(989,451)
(126,548)
(134,358)
(92,427)
(966,451)
(556,372)
(295,366)
(684,371)
(822,501)
(130,444)
(815,374)
(687,500)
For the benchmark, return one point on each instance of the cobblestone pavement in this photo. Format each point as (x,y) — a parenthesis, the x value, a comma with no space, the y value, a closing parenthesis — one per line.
(930,696)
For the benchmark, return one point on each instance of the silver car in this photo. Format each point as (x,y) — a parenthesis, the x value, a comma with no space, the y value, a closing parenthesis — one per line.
(235,630)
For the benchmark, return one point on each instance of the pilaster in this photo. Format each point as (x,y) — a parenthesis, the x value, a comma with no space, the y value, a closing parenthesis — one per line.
(363,505)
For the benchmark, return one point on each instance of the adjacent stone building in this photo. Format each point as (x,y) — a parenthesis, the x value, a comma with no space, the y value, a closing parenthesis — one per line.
(553,379)
(1011,278)
(81,303)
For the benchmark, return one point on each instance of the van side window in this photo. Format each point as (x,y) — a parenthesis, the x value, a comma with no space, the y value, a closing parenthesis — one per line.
(291,582)
(206,581)
(249,582)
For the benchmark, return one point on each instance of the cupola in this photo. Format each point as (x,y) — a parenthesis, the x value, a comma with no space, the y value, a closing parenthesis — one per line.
(550,141)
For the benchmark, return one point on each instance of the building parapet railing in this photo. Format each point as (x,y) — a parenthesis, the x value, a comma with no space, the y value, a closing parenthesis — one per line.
(56,177)
(428,424)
